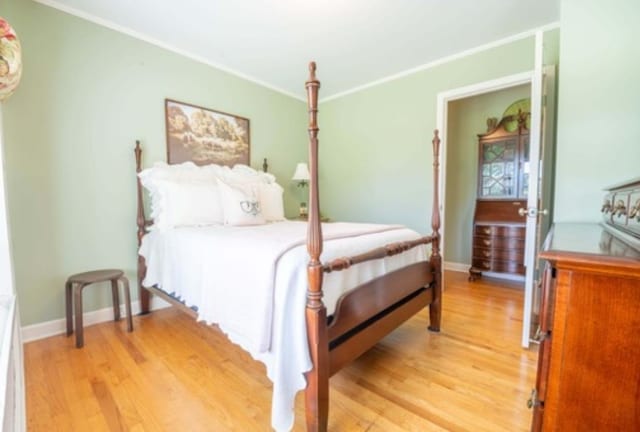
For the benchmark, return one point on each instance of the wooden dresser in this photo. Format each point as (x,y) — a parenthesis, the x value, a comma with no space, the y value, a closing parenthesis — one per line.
(498,238)
(589,363)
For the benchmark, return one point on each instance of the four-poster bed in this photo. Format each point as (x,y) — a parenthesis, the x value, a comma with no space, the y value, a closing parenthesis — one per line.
(364,313)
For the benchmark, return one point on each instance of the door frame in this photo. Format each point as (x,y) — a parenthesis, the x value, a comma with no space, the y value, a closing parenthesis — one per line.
(442,112)
(534,79)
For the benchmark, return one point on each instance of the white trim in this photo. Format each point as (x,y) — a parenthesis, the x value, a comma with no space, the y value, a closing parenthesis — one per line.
(504,276)
(457,267)
(532,198)
(145,38)
(447,59)
(55,327)
(464,268)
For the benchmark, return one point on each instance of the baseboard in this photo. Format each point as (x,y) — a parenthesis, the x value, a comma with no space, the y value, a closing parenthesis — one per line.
(55,327)
(504,276)
(458,267)
(464,268)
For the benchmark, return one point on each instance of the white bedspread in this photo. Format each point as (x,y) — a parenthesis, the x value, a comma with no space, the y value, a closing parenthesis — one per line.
(251,281)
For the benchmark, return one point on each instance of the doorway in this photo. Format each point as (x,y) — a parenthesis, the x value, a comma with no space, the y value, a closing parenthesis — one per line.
(467,118)
(538,183)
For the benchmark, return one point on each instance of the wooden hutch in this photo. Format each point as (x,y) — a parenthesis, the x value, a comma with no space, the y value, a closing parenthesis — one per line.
(503,183)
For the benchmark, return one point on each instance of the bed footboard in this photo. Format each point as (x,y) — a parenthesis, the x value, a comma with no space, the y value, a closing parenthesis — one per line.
(370,311)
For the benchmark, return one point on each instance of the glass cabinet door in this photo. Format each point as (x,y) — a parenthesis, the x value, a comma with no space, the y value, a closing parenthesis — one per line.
(498,165)
(524,164)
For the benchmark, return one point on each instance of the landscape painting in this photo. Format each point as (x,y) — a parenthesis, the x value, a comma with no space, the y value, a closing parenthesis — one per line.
(205,136)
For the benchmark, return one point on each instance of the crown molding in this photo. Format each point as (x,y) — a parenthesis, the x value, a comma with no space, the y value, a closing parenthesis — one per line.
(145,38)
(447,59)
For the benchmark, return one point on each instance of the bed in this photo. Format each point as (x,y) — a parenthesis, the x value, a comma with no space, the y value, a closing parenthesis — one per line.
(302,317)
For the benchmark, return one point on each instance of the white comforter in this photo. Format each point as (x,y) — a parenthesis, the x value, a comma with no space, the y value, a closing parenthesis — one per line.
(251,281)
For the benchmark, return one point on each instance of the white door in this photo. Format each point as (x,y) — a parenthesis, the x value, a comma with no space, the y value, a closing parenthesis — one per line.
(540,181)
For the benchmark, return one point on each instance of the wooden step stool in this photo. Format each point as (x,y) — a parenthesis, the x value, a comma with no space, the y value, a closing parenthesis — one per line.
(77,282)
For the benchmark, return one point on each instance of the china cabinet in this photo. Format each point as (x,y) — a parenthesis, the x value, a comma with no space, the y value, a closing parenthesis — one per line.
(503,182)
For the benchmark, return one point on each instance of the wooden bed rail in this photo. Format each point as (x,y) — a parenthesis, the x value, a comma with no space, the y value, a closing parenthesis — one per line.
(381,252)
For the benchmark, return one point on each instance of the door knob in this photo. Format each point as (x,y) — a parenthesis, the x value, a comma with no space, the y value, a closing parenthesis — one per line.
(532,212)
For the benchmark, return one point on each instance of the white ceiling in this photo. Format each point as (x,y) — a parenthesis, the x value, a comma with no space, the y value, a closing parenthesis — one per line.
(354,42)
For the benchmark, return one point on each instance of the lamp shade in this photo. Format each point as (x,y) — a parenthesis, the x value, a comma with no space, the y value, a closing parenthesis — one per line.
(302,172)
(10,60)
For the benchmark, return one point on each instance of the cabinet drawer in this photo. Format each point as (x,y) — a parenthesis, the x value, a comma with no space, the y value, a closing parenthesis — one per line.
(633,223)
(620,208)
(498,266)
(498,254)
(498,242)
(500,231)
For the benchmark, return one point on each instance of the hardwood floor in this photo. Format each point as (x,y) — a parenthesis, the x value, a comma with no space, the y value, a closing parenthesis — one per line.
(172,374)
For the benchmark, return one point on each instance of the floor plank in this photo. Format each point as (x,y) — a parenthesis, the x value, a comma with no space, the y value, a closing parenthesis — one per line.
(172,374)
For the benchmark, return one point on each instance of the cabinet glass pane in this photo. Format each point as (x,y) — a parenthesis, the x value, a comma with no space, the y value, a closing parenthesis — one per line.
(497,190)
(499,168)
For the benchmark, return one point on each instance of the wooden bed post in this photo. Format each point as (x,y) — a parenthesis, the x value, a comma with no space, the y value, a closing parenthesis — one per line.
(435,308)
(317,391)
(144,295)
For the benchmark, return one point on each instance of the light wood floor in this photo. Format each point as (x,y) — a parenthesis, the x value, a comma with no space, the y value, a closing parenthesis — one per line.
(172,374)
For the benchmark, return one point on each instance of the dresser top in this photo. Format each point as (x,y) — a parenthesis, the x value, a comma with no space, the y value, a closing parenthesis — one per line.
(590,244)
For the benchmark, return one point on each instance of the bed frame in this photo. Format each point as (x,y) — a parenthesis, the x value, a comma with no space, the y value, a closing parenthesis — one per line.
(365,314)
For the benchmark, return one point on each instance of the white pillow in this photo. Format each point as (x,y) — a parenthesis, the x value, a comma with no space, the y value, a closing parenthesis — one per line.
(270,195)
(245,174)
(190,204)
(241,204)
(163,179)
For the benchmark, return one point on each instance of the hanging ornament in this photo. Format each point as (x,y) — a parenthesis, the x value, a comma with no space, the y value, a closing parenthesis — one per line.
(10,60)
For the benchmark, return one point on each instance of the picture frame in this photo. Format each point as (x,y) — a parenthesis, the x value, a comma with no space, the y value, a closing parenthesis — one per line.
(205,136)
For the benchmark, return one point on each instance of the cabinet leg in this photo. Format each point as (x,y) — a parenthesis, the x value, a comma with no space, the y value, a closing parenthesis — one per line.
(474,274)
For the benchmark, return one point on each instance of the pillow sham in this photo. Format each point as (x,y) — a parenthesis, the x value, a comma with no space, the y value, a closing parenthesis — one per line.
(190,204)
(183,194)
(241,204)
(271,202)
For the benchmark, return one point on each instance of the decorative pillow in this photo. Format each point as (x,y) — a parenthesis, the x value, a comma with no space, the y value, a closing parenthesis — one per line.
(270,195)
(189,204)
(163,180)
(246,174)
(241,204)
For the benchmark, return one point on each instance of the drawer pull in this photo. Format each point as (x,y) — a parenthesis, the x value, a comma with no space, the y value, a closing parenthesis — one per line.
(533,399)
(540,335)
(620,209)
(486,230)
(635,210)
(486,253)
(486,264)
(487,242)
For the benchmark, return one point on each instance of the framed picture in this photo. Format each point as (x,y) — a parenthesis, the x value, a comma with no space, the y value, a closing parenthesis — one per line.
(205,136)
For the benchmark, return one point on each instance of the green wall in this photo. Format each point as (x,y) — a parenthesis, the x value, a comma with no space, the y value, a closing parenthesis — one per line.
(86,95)
(466,119)
(599,104)
(379,139)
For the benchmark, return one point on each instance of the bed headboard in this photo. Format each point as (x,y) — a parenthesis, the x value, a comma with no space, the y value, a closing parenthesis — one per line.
(142,222)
